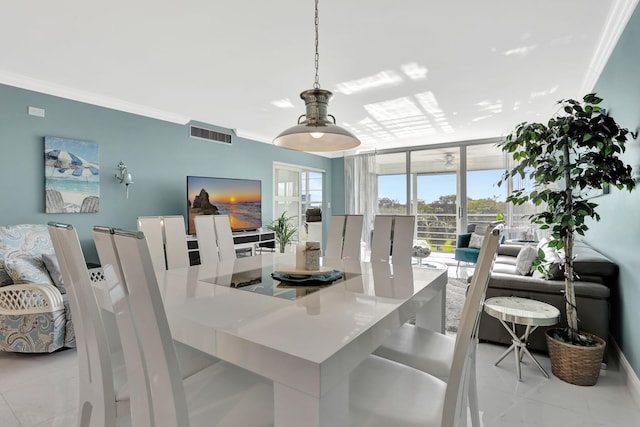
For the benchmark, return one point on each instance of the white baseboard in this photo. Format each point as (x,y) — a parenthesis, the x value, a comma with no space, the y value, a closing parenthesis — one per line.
(631,379)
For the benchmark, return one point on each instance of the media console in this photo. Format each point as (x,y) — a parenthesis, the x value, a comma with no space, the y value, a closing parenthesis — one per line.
(245,243)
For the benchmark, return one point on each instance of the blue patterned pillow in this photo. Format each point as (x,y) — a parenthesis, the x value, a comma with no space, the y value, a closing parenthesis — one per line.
(22,239)
(27,269)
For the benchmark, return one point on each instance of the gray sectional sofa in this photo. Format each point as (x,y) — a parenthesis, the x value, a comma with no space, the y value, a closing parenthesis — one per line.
(598,277)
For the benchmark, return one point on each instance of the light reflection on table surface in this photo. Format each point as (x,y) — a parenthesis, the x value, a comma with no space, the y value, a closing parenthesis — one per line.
(253,274)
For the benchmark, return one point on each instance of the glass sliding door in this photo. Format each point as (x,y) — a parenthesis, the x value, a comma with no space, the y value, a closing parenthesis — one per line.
(297,189)
(485,199)
(392,183)
(311,184)
(286,197)
(434,197)
(447,188)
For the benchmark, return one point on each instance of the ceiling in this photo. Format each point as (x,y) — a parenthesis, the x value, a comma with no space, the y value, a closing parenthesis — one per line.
(404,73)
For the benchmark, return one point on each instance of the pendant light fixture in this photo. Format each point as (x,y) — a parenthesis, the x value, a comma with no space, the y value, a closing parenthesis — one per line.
(316,132)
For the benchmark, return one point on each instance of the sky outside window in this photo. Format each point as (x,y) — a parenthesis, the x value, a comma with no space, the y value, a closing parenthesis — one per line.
(481,185)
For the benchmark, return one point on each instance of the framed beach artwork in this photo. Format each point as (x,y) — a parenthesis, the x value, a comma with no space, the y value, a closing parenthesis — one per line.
(72,175)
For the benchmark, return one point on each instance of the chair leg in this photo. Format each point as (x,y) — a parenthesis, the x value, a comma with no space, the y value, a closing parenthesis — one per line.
(474,408)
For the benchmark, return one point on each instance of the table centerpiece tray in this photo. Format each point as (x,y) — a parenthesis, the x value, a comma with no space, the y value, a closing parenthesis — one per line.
(293,272)
(292,275)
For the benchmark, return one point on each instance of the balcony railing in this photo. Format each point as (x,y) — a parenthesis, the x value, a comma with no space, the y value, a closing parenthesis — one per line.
(439,230)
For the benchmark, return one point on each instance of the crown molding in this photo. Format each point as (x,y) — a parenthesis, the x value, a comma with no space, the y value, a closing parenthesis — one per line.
(619,15)
(24,82)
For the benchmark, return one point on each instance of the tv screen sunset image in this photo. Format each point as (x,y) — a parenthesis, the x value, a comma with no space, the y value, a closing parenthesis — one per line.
(240,199)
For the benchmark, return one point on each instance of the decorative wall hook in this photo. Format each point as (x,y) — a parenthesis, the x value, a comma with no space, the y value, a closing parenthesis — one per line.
(124,177)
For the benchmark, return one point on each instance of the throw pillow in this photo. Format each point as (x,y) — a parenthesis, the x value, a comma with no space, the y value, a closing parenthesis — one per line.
(553,263)
(476,240)
(27,269)
(51,264)
(525,259)
(19,240)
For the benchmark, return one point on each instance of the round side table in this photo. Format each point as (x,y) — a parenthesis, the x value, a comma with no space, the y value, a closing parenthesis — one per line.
(521,311)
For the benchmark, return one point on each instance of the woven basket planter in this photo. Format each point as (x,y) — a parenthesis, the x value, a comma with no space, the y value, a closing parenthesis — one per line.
(575,364)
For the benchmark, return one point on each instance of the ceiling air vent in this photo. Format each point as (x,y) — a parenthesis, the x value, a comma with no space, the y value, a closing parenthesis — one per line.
(210,135)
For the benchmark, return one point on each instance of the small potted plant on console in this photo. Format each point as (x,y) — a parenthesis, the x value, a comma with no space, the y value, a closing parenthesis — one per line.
(283,229)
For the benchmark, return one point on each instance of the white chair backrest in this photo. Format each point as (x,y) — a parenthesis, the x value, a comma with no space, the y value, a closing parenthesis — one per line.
(117,291)
(206,234)
(455,408)
(381,239)
(224,237)
(175,241)
(150,356)
(152,227)
(392,235)
(345,235)
(96,386)
(352,237)
(333,248)
(402,237)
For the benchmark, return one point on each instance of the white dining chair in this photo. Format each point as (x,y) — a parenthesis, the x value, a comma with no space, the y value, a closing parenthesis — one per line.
(344,237)
(207,244)
(152,227)
(219,395)
(392,237)
(102,380)
(190,359)
(432,352)
(175,241)
(381,238)
(352,237)
(103,386)
(335,235)
(402,237)
(224,237)
(431,402)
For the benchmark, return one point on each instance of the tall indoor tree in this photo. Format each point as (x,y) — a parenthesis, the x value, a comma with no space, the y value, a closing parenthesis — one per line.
(576,153)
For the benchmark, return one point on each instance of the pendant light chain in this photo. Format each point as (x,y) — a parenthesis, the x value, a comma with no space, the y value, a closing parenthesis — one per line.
(318,132)
(316,84)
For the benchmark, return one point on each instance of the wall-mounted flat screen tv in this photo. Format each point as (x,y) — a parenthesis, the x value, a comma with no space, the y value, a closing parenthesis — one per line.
(241,199)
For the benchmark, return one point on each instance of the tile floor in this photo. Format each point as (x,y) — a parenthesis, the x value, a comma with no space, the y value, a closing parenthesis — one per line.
(538,401)
(41,390)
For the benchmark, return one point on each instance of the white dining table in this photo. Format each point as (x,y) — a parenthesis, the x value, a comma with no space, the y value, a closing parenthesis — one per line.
(306,338)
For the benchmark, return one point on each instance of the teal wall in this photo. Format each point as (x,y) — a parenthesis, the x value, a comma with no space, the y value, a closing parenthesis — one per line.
(618,231)
(159,155)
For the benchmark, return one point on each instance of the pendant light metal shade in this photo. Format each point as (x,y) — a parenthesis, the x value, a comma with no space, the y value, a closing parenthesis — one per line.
(316,132)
